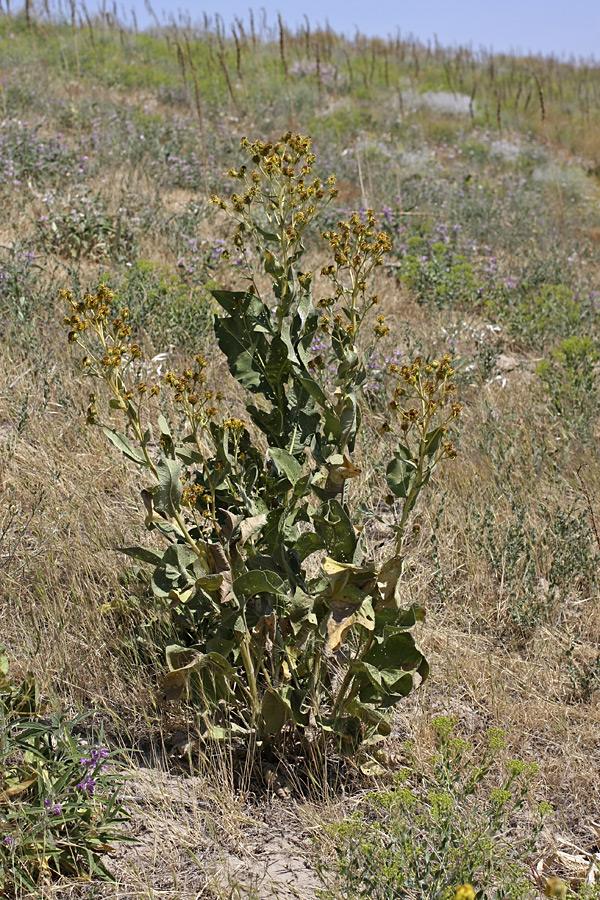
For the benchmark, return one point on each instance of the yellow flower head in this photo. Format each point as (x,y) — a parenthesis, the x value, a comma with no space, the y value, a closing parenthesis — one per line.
(556,887)
(465,892)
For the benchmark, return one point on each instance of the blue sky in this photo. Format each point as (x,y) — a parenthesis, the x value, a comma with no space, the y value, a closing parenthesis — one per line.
(547,26)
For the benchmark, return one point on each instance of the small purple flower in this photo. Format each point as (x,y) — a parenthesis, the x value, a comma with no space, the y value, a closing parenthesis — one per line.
(87,784)
(7,840)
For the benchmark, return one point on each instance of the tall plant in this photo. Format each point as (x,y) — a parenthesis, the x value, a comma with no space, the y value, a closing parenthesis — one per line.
(292,624)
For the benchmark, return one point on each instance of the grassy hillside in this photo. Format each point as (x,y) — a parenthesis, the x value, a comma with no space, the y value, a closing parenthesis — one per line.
(484,172)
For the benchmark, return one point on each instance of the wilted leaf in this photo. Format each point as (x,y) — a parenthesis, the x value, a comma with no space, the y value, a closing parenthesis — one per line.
(340,622)
(387,582)
(264,631)
(174,683)
(251,526)
(221,566)
(340,469)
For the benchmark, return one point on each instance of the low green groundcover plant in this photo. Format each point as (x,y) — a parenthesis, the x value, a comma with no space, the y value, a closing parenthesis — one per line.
(60,811)
(447,823)
(289,623)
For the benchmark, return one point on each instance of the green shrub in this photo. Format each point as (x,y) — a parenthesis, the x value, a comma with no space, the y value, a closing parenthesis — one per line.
(546,311)
(59,800)
(571,381)
(441,825)
(84,227)
(439,275)
(165,307)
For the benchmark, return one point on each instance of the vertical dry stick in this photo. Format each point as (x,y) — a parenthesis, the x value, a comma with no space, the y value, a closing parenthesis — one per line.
(252,30)
(150,11)
(197,95)
(210,51)
(540,95)
(282,46)
(400,101)
(472,101)
(74,32)
(238,53)
(28,14)
(218,21)
(91,31)
(198,110)
(498,113)
(181,62)
(285,71)
(518,96)
(360,180)
(307,36)
(448,71)
(223,62)
(319,75)
(240,27)
(350,73)
(369,179)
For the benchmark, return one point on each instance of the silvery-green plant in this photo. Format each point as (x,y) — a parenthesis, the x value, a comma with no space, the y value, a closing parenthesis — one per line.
(292,623)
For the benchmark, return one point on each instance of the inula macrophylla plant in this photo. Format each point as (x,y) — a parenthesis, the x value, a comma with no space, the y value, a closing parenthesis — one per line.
(292,624)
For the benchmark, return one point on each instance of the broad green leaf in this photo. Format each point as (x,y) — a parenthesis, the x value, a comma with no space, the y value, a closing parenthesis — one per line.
(123,444)
(333,525)
(400,475)
(188,455)
(371,716)
(287,464)
(170,489)
(433,439)
(243,354)
(398,652)
(258,581)
(308,543)
(275,711)
(272,266)
(233,302)
(268,235)
(164,426)
(144,554)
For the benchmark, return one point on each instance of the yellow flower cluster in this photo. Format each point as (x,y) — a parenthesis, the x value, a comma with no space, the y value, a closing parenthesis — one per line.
(424,399)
